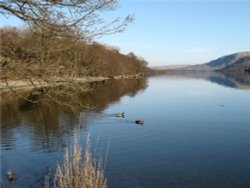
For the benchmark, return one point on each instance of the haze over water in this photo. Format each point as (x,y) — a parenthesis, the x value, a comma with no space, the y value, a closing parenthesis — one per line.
(196,133)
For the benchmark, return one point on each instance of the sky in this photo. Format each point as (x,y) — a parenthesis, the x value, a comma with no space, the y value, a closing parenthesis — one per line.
(168,32)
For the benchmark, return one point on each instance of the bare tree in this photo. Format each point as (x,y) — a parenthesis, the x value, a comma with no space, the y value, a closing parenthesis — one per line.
(60,15)
(58,34)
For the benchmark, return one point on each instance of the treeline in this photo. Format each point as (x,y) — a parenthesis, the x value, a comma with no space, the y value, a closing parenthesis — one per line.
(32,53)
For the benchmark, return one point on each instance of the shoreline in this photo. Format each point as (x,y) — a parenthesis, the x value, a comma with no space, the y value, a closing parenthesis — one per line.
(30,84)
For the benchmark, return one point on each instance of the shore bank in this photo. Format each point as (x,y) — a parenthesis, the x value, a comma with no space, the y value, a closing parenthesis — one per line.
(7,85)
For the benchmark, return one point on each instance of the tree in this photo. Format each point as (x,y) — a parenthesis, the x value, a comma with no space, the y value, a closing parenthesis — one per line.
(58,31)
(58,16)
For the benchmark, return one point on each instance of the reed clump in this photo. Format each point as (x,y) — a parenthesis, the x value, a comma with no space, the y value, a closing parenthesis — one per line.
(78,172)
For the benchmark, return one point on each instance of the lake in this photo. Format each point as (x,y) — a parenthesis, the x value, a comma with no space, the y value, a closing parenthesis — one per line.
(196,132)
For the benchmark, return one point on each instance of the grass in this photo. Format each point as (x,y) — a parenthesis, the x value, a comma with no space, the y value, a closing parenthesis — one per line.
(79,172)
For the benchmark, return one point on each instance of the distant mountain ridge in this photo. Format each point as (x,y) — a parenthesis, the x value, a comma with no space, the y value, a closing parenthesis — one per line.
(233,62)
(172,67)
(241,64)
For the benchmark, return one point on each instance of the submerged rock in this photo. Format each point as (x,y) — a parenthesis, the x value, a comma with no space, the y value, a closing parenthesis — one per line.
(9,175)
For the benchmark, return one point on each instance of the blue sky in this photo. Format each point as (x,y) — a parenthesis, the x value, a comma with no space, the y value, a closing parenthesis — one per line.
(184,32)
(167,32)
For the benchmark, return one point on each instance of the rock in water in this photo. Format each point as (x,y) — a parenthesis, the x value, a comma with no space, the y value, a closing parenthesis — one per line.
(9,175)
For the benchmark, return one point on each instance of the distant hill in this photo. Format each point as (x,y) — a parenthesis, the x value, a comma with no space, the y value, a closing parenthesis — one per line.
(242,64)
(171,67)
(234,62)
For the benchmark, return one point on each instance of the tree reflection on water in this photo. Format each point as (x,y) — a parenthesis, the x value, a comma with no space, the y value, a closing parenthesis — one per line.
(47,123)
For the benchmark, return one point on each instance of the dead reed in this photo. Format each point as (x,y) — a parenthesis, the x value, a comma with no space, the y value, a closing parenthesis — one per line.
(76,172)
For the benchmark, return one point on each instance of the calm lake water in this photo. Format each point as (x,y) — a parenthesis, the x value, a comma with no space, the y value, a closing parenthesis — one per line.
(196,133)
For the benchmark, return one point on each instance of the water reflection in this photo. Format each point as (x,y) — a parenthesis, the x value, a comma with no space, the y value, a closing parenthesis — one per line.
(196,133)
(47,124)
(238,80)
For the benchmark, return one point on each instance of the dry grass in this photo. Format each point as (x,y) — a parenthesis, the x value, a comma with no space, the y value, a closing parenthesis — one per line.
(78,173)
